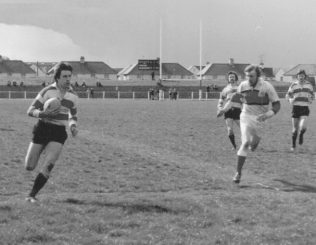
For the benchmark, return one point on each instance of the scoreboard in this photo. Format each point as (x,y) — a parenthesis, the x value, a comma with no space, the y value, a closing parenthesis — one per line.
(148,65)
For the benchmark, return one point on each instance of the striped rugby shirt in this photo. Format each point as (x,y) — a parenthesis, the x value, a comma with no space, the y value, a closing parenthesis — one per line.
(301,93)
(256,99)
(227,95)
(68,110)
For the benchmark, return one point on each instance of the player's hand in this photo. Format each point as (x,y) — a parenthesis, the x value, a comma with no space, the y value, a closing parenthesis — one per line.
(265,116)
(49,114)
(74,131)
(262,117)
(220,113)
(291,100)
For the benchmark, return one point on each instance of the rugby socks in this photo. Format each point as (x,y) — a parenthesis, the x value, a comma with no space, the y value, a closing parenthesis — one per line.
(294,136)
(301,137)
(240,163)
(39,182)
(232,140)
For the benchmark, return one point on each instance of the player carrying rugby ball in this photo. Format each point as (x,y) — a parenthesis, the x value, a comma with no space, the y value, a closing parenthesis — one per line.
(50,131)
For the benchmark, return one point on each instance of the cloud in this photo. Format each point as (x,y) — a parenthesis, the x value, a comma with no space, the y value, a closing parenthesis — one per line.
(31,43)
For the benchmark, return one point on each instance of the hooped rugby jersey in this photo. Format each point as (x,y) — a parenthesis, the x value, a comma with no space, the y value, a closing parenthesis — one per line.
(256,99)
(68,110)
(227,95)
(301,93)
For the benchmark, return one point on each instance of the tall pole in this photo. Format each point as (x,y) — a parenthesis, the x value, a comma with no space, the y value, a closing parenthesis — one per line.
(160,50)
(200,53)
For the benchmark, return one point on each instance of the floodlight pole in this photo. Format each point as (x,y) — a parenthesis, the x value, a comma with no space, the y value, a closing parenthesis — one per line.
(160,51)
(200,54)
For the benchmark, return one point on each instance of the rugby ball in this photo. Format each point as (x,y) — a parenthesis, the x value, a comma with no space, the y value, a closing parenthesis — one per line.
(52,104)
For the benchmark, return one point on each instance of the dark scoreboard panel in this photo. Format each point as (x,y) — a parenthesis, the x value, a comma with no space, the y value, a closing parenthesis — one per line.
(148,64)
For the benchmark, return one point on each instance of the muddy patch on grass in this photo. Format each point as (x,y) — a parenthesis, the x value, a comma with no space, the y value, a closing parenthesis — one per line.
(130,208)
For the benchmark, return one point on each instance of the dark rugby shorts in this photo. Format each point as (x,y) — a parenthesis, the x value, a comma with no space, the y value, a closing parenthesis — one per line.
(233,113)
(299,111)
(43,133)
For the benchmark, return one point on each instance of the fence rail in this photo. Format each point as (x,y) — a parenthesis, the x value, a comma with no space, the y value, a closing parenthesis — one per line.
(187,95)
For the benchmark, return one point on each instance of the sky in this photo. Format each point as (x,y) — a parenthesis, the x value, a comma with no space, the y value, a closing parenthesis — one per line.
(281,33)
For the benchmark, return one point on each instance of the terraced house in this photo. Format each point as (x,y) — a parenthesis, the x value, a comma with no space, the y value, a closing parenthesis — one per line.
(218,71)
(169,71)
(14,69)
(90,69)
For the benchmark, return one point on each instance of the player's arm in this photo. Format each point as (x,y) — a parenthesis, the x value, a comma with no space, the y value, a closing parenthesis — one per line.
(312,94)
(73,119)
(276,105)
(221,100)
(36,108)
(290,94)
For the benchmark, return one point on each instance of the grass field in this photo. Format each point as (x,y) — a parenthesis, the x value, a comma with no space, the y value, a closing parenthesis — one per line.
(158,172)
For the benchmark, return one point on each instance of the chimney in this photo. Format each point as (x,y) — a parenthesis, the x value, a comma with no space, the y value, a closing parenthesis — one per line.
(231,61)
(82,59)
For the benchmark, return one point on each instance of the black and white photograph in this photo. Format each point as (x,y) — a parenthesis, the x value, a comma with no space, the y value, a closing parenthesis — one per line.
(157,122)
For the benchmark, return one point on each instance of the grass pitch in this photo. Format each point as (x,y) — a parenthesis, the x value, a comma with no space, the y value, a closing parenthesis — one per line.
(158,172)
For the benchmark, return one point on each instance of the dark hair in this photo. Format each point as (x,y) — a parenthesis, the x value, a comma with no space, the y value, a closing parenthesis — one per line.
(233,73)
(254,68)
(61,66)
(301,71)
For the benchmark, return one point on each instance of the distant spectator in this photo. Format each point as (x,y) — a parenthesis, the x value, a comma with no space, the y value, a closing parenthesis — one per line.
(153,76)
(208,88)
(99,85)
(84,85)
(170,94)
(174,93)
(14,83)
(21,84)
(76,84)
(9,83)
(151,94)
(44,84)
(92,93)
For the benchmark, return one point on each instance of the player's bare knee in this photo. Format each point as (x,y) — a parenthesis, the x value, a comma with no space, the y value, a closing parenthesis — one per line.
(230,131)
(246,144)
(48,169)
(50,166)
(29,164)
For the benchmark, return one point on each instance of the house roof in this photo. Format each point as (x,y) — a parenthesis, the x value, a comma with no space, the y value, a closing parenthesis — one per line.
(117,70)
(197,67)
(167,69)
(310,70)
(15,66)
(42,66)
(221,69)
(88,67)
